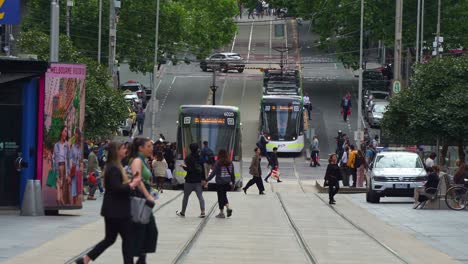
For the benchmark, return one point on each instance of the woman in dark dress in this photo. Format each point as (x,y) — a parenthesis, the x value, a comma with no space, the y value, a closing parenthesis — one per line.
(116,205)
(332,178)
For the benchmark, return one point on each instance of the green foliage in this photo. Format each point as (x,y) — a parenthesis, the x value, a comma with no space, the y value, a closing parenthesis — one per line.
(105,106)
(434,106)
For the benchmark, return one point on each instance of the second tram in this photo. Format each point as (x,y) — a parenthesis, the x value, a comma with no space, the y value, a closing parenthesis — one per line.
(282,120)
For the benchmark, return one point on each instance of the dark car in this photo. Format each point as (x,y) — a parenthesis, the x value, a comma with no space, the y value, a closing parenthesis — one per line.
(224,62)
(137,87)
(374,80)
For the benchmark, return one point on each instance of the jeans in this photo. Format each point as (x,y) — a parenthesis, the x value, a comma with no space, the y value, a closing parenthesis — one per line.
(221,190)
(140,126)
(314,156)
(188,189)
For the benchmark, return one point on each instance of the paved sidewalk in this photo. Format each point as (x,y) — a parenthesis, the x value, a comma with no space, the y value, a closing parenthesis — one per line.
(445,230)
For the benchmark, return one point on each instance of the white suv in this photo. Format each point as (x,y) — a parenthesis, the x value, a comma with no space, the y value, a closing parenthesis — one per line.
(394,173)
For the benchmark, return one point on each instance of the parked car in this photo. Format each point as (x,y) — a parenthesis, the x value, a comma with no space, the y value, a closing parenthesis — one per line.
(370,95)
(223,61)
(149,93)
(133,100)
(376,113)
(394,174)
(132,86)
(374,80)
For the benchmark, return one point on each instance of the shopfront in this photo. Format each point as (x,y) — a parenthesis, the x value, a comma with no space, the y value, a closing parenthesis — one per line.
(20,81)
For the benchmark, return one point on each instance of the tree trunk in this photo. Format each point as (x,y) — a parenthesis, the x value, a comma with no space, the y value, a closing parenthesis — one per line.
(461,151)
(443,154)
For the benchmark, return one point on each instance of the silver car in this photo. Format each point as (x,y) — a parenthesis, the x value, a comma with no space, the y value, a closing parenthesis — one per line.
(376,113)
(394,174)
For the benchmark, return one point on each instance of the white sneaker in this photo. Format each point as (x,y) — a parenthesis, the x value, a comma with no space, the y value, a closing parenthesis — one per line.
(220,215)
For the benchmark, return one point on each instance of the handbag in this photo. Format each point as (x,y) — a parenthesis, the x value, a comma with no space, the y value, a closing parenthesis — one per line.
(79,181)
(92,178)
(52,178)
(168,174)
(139,211)
(275,174)
(72,171)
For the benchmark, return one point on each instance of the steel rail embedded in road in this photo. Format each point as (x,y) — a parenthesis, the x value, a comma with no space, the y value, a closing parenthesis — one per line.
(82,254)
(372,237)
(297,233)
(180,258)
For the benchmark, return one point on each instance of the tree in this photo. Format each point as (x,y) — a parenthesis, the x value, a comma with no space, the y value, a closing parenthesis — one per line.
(105,106)
(434,107)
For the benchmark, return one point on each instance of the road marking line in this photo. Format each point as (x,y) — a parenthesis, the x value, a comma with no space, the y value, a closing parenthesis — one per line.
(286,38)
(222,91)
(154,108)
(269,52)
(250,42)
(234,42)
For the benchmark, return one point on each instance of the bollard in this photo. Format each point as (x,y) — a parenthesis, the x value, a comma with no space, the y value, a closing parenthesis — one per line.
(38,197)
(32,199)
(28,207)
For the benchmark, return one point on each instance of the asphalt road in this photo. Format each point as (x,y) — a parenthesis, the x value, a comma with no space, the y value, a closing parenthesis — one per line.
(325,80)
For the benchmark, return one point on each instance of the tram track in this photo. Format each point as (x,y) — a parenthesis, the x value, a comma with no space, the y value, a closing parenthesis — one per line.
(155,210)
(345,218)
(180,258)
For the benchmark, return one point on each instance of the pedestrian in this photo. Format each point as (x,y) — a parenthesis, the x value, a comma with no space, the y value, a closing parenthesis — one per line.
(351,163)
(223,169)
(251,13)
(93,169)
(461,176)
(169,157)
(361,166)
(261,144)
(430,160)
(194,179)
(274,164)
(332,178)
(375,142)
(370,153)
(256,171)
(159,166)
(140,120)
(76,156)
(208,158)
(340,140)
(346,106)
(145,235)
(307,106)
(344,166)
(430,187)
(115,206)
(314,152)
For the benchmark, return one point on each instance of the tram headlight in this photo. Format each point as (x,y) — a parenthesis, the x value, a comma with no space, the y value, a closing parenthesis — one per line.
(269,137)
(294,138)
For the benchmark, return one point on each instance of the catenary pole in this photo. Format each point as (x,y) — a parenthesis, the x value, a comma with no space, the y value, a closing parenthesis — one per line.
(156,46)
(358,142)
(99,32)
(417,29)
(112,40)
(398,37)
(438,29)
(422,32)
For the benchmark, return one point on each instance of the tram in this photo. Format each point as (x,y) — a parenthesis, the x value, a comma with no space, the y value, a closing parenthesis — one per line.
(282,120)
(217,124)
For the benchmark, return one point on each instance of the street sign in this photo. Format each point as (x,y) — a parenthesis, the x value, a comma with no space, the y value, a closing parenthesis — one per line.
(358,135)
(396,87)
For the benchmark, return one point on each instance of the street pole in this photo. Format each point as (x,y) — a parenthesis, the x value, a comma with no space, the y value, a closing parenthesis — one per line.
(112,40)
(417,30)
(438,29)
(422,32)
(398,44)
(54,30)
(69,6)
(156,46)
(99,32)
(213,86)
(359,109)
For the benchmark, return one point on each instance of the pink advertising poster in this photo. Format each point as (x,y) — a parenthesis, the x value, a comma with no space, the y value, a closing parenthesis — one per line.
(62,156)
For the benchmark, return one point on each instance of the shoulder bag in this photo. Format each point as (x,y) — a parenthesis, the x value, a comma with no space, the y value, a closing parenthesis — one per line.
(139,211)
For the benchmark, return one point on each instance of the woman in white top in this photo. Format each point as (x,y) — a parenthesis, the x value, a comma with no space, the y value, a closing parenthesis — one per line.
(76,156)
(61,158)
(159,168)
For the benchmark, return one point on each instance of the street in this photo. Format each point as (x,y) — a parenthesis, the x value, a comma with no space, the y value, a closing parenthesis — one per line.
(293,222)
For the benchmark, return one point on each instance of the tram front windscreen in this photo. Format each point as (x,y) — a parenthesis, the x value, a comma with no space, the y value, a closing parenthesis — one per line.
(219,131)
(281,121)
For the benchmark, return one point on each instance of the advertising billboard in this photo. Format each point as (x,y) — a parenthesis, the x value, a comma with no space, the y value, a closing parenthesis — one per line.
(62,155)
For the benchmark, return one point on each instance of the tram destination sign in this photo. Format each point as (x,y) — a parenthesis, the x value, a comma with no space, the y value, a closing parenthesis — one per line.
(209,120)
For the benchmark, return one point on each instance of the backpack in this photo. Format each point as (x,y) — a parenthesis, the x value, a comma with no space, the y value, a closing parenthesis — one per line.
(209,156)
(357,161)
